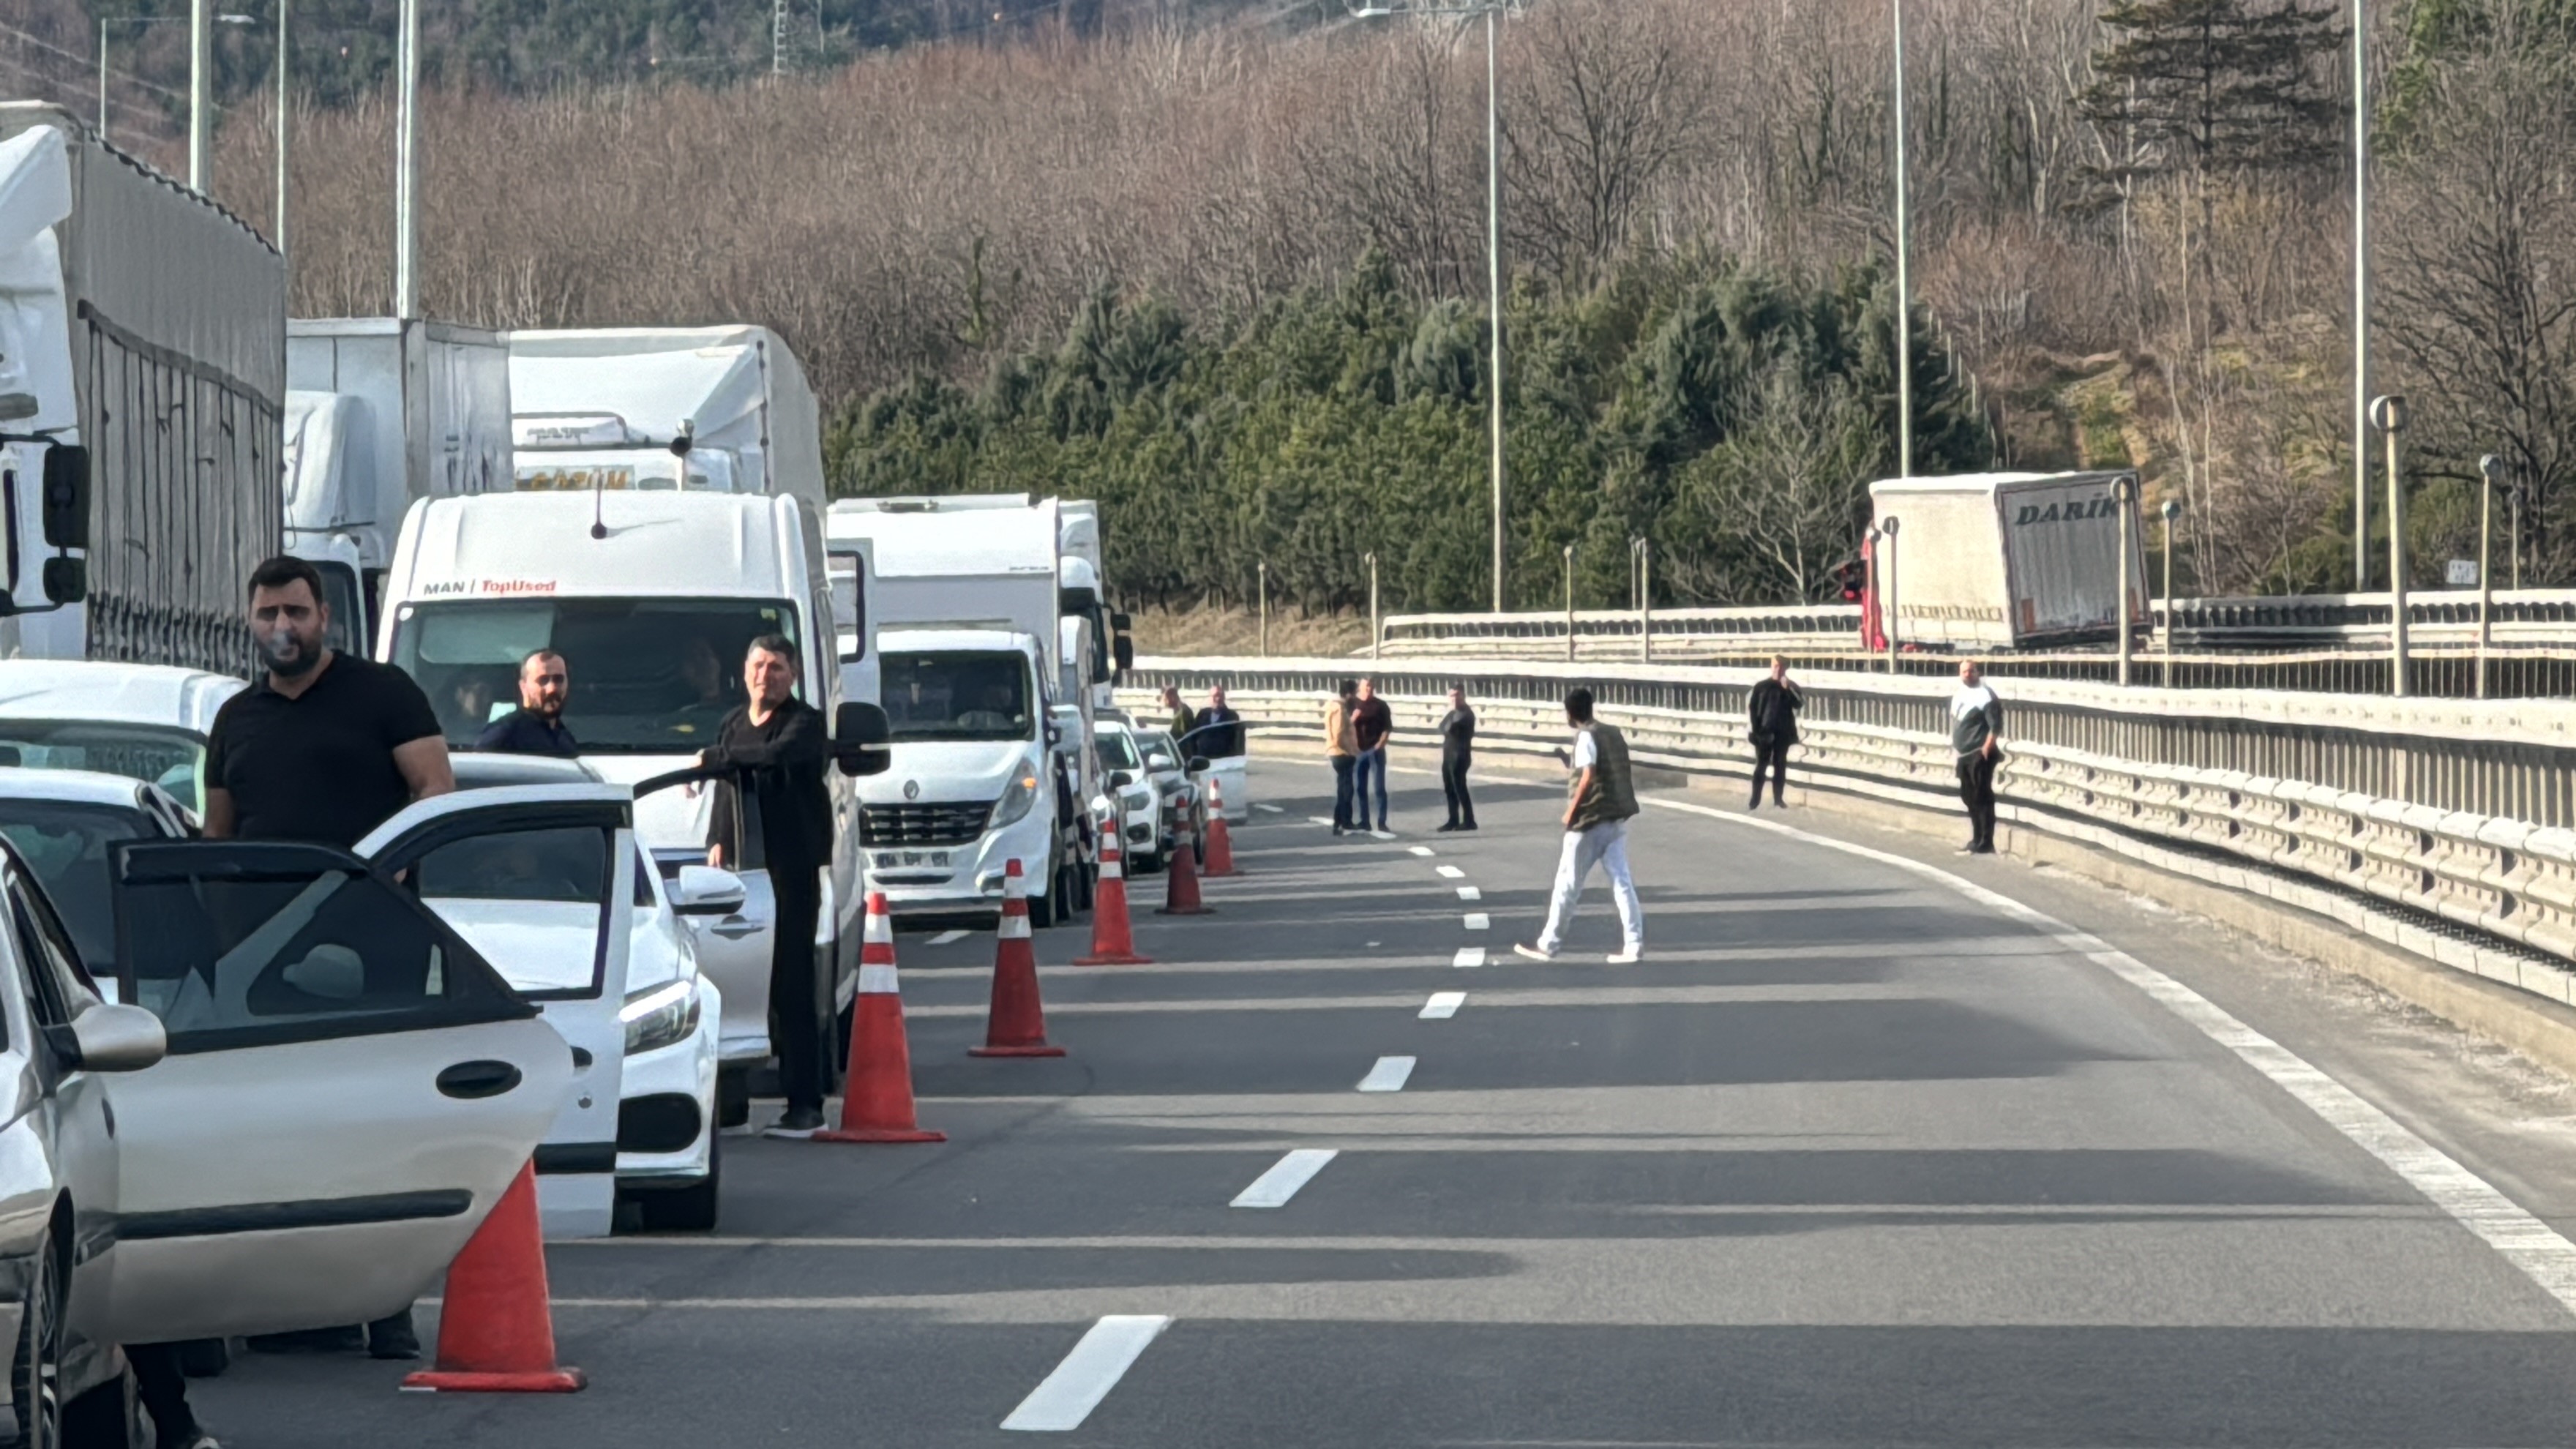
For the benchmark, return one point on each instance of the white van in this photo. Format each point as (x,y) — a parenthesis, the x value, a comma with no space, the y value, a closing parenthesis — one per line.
(652,599)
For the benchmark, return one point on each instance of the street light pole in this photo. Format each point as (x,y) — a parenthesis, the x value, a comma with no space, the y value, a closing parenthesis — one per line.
(1642,551)
(2170,511)
(1904,289)
(2123,500)
(2388,414)
(2489,467)
(1887,587)
(1569,602)
(1265,609)
(201,81)
(2361,299)
(407,169)
(277,224)
(1371,559)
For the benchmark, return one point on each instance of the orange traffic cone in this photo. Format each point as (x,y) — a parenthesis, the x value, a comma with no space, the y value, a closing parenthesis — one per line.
(1017,1024)
(1220,845)
(1113,941)
(1181,896)
(876,1103)
(496,1331)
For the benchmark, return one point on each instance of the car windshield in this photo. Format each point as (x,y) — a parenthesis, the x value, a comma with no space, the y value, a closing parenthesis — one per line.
(169,757)
(1117,752)
(648,676)
(956,695)
(64,843)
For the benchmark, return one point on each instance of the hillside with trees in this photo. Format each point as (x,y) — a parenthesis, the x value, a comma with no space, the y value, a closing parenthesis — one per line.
(1225,269)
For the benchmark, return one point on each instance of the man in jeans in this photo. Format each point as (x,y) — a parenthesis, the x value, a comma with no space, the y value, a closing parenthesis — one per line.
(1343,751)
(1371,723)
(1598,805)
(1976,727)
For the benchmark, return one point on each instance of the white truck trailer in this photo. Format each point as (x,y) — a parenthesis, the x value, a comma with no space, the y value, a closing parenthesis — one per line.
(700,409)
(380,412)
(143,339)
(2006,560)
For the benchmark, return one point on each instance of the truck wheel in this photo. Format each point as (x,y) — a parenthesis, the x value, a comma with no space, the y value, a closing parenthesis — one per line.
(690,1209)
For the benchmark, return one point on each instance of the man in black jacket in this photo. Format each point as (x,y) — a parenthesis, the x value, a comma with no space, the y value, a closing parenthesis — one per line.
(1776,703)
(778,750)
(1457,752)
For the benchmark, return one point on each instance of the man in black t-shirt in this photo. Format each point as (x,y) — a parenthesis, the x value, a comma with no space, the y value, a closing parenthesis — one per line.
(323,747)
(536,727)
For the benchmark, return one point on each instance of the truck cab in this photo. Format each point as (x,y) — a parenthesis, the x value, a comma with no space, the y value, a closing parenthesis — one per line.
(652,598)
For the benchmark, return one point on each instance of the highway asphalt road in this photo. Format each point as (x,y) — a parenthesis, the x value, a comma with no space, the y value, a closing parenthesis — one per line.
(1860,1155)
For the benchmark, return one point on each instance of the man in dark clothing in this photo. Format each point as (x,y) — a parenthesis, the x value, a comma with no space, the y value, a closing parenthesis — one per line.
(779,751)
(323,747)
(1775,707)
(536,727)
(1457,752)
(1371,723)
(1976,728)
(1219,729)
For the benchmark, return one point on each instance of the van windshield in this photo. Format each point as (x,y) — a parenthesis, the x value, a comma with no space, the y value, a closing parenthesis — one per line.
(647,676)
(956,695)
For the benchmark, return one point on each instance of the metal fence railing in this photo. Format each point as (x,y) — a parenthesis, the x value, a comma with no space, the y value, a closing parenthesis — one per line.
(2459,811)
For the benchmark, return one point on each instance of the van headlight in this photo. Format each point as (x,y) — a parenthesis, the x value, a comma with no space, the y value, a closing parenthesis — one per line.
(657,1016)
(1137,799)
(1019,796)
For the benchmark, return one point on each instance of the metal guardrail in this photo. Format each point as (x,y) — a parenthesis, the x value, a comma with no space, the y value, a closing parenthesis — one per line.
(2459,811)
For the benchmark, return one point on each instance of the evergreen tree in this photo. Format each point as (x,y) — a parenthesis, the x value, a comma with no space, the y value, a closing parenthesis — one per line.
(2201,88)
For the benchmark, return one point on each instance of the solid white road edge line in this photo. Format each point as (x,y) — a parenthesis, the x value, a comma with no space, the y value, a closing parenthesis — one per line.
(1469,956)
(944,937)
(1273,1188)
(1389,1075)
(1470,893)
(1088,1373)
(1479,921)
(1451,871)
(1443,1005)
(2524,1240)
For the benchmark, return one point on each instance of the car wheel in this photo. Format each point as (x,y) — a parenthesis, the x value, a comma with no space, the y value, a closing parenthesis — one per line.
(36,1377)
(690,1209)
(733,1097)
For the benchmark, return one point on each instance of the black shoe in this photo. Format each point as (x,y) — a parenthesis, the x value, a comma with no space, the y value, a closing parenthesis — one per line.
(1445,829)
(393,1338)
(1753,804)
(1338,830)
(1470,825)
(797,1123)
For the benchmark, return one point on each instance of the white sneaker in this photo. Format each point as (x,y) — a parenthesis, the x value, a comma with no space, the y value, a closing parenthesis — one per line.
(1520,948)
(1629,957)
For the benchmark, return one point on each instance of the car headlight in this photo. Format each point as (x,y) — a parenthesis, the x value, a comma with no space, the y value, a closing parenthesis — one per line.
(1018,796)
(1138,799)
(657,1016)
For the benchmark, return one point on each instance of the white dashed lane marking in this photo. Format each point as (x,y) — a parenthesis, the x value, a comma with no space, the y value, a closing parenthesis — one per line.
(1451,871)
(1419,849)
(1479,921)
(1389,1075)
(1443,1005)
(1470,893)
(1273,1188)
(945,937)
(1088,1373)
(1470,956)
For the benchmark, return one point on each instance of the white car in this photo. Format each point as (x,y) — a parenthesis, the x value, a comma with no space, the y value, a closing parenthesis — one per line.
(142,721)
(513,896)
(1131,792)
(348,1087)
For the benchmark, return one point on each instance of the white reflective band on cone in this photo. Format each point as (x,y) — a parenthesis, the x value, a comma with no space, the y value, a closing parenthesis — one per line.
(1110,869)
(1015,928)
(1015,886)
(877,932)
(876,981)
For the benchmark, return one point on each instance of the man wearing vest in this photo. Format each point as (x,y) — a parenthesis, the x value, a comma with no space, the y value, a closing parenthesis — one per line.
(1598,805)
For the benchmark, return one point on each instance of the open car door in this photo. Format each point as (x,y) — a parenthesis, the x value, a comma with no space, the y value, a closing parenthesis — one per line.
(539,879)
(349,1088)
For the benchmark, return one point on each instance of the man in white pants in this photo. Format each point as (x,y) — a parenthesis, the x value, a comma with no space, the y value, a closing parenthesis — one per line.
(1598,805)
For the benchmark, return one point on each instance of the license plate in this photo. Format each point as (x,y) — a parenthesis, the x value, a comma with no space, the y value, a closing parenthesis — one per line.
(900,859)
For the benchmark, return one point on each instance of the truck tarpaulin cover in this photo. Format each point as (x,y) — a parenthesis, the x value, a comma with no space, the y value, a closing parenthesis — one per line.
(178,352)
(2005,559)
(741,388)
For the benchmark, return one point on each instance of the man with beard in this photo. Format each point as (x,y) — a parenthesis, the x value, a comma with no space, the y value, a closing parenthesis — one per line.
(323,747)
(536,727)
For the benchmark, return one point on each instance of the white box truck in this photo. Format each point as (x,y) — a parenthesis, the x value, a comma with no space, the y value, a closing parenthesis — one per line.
(143,337)
(984,769)
(652,599)
(380,412)
(2006,560)
(703,409)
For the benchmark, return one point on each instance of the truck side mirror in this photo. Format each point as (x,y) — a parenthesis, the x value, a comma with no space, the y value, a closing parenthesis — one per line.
(66,579)
(1124,650)
(66,503)
(859,735)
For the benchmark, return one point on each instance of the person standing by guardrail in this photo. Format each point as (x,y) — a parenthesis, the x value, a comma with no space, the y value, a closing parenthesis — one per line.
(1371,724)
(1342,749)
(1775,705)
(1457,752)
(1599,802)
(1976,733)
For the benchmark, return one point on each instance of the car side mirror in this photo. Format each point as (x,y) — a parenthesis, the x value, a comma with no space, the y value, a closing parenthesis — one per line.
(1123,649)
(706,890)
(1198,764)
(66,500)
(1121,779)
(110,1038)
(66,579)
(1055,737)
(859,735)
